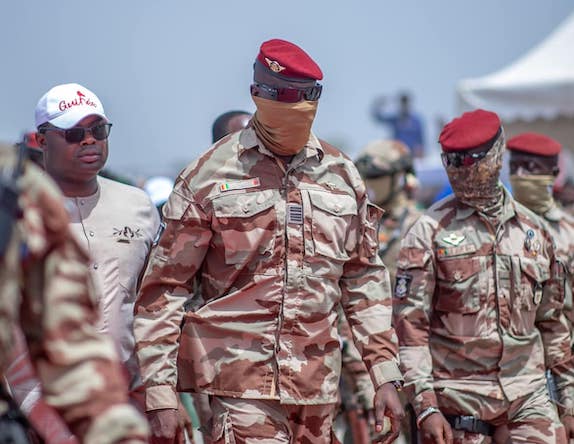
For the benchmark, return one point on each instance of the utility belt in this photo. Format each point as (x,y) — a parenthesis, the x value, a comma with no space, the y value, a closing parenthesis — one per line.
(470,424)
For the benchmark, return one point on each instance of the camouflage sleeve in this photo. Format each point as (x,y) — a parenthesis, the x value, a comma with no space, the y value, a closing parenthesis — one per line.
(166,286)
(412,304)
(353,370)
(366,300)
(555,332)
(77,366)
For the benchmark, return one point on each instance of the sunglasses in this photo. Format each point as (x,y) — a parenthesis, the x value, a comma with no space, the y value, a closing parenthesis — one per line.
(286,95)
(458,159)
(77,133)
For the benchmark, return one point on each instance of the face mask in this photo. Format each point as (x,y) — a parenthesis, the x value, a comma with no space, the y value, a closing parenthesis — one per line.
(477,185)
(533,191)
(284,128)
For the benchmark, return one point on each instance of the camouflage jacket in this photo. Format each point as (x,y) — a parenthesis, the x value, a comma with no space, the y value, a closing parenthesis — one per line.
(277,249)
(561,225)
(45,288)
(393,227)
(479,309)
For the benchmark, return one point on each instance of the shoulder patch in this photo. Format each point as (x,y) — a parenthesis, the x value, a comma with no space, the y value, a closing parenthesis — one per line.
(402,285)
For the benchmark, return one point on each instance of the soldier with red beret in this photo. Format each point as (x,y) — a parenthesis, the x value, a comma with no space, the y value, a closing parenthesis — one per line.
(478,304)
(277,226)
(533,170)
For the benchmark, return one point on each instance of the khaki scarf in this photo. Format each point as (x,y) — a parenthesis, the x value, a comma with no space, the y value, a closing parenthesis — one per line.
(284,128)
(533,191)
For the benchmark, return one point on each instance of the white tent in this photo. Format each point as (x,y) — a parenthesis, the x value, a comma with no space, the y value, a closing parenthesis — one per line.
(535,93)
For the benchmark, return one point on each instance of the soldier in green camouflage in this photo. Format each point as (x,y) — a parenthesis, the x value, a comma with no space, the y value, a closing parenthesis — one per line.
(278,226)
(45,289)
(478,304)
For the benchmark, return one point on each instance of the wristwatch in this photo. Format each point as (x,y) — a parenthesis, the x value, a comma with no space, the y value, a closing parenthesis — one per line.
(398,385)
(425,414)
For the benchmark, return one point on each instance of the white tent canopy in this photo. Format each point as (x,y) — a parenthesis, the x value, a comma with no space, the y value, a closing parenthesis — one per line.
(539,86)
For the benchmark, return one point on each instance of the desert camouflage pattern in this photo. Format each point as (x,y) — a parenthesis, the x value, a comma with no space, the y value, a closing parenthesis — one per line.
(393,227)
(277,248)
(46,290)
(531,418)
(239,421)
(561,226)
(479,308)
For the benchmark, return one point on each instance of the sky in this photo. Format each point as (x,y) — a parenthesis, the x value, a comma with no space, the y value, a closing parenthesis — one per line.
(165,70)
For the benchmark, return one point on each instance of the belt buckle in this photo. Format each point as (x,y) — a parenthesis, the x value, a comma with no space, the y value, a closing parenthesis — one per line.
(465,422)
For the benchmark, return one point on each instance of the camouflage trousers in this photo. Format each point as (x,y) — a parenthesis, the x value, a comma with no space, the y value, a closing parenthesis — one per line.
(531,419)
(250,421)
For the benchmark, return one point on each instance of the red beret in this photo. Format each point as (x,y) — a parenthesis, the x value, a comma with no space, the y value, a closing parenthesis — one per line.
(534,143)
(289,60)
(471,130)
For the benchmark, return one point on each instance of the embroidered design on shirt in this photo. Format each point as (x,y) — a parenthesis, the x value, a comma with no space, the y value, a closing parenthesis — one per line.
(126,234)
(453,239)
(294,214)
(239,184)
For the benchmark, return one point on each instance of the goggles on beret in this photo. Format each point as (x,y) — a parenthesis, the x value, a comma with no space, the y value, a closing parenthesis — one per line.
(286,95)
(462,158)
(78,133)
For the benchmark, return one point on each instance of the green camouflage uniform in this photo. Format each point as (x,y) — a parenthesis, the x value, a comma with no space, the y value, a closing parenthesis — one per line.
(277,248)
(46,290)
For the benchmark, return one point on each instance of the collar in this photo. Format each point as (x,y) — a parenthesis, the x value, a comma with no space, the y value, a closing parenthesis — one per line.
(249,140)
(553,214)
(508,208)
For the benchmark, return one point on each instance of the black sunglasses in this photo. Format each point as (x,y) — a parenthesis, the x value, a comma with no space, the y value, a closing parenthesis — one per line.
(77,133)
(286,95)
(458,159)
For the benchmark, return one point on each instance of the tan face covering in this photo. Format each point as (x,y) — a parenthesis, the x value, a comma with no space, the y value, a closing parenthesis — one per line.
(533,191)
(284,128)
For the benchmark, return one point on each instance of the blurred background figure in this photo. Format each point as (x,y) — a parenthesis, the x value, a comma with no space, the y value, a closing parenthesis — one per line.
(387,169)
(386,166)
(406,125)
(228,123)
(158,189)
(34,153)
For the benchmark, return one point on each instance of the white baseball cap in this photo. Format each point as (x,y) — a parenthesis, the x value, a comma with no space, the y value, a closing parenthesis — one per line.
(65,105)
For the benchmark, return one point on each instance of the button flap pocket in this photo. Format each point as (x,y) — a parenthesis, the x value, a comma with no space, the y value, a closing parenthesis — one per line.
(244,204)
(454,270)
(336,204)
(538,270)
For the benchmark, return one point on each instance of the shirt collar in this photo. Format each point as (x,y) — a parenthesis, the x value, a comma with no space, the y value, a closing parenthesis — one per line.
(508,208)
(248,139)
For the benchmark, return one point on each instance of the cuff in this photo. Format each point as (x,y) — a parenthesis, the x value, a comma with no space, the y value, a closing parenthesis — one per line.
(385,372)
(423,401)
(160,397)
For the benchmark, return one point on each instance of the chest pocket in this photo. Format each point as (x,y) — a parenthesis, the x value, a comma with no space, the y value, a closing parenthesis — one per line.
(331,220)
(530,277)
(458,285)
(247,223)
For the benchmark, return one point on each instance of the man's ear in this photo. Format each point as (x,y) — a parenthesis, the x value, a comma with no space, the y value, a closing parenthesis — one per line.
(41,138)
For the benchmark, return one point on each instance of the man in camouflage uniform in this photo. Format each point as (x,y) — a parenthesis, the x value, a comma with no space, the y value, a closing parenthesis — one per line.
(45,288)
(533,170)
(478,304)
(387,169)
(278,226)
